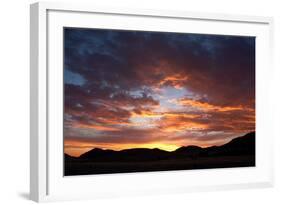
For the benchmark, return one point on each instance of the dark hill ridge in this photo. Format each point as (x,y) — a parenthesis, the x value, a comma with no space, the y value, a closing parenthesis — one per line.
(244,145)
(189,150)
(240,145)
(136,154)
(67,156)
(97,153)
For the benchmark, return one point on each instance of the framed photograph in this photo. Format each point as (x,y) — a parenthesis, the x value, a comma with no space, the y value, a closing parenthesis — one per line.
(128,101)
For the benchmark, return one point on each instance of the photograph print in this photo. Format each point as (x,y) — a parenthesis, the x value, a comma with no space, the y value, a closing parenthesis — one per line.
(142,101)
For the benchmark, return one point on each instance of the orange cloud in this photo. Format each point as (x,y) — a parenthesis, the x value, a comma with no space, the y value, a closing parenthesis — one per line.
(146,114)
(152,114)
(178,122)
(183,126)
(179,114)
(177,81)
(207,106)
(156,118)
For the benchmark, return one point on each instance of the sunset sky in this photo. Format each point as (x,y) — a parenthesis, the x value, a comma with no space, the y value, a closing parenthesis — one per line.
(126,89)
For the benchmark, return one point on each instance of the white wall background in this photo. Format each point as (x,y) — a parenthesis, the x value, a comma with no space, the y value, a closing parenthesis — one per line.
(14,101)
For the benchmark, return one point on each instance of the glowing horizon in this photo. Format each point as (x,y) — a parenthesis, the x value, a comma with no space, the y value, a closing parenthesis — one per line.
(76,151)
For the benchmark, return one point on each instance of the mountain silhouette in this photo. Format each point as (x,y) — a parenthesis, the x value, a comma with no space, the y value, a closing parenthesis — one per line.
(244,145)
(188,151)
(97,153)
(238,152)
(69,158)
(239,146)
(136,154)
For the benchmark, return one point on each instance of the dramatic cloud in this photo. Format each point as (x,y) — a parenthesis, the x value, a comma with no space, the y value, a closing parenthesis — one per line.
(127,89)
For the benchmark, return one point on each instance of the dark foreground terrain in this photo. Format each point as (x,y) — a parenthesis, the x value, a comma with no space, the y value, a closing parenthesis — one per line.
(239,152)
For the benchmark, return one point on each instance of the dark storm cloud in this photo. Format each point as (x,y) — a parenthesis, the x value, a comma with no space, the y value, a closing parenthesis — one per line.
(222,66)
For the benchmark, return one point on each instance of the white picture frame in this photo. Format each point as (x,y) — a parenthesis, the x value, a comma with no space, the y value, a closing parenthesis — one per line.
(47,182)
